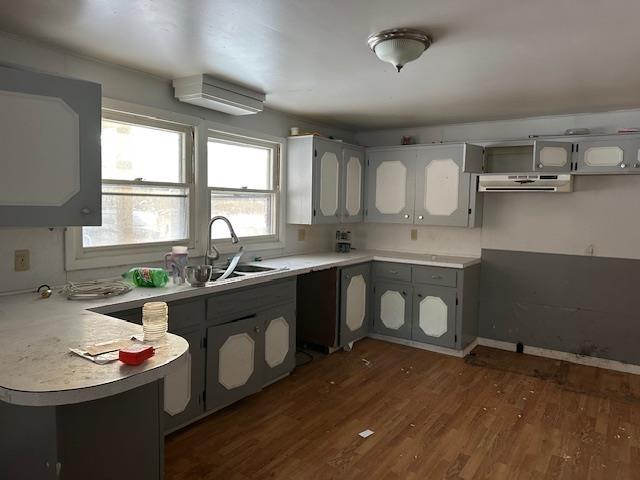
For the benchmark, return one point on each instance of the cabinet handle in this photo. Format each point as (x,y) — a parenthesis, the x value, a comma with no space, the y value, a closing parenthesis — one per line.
(393,272)
(436,277)
(85,211)
(420,217)
(404,294)
(419,295)
(540,165)
(623,165)
(406,215)
(257,329)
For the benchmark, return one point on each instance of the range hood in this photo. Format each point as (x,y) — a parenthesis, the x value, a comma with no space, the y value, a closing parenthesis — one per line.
(525,182)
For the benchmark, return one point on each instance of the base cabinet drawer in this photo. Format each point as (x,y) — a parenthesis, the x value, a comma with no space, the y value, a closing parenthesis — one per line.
(393,271)
(434,315)
(392,303)
(434,275)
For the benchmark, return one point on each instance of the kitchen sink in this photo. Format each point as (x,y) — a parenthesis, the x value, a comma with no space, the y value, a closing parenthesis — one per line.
(218,273)
(252,268)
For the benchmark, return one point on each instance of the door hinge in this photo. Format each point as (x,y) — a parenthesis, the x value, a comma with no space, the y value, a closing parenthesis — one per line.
(456,300)
(315,152)
(204,342)
(203,397)
(455,338)
(469,211)
(314,212)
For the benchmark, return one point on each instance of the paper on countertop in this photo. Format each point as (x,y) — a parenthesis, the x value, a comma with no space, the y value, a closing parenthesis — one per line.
(104,352)
(101,359)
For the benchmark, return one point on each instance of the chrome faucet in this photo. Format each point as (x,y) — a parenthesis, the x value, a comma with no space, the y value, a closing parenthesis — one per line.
(212,253)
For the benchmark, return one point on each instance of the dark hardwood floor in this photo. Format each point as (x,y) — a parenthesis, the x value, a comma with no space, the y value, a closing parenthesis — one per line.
(495,415)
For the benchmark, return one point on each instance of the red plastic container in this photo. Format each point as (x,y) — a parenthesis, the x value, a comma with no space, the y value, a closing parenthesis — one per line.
(136,354)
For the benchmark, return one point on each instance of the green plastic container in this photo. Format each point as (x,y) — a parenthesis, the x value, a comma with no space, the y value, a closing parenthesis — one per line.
(147,276)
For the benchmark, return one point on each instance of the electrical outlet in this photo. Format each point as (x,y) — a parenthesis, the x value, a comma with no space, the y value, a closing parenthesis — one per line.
(414,234)
(21,260)
(302,233)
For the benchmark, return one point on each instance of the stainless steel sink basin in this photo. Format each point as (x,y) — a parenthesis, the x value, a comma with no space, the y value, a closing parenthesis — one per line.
(252,268)
(218,273)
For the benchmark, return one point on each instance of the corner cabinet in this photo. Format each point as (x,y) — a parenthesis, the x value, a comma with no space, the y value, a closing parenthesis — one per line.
(324,181)
(424,185)
(50,136)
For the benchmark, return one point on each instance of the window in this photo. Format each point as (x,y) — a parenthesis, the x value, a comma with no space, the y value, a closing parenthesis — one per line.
(243,186)
(146,183)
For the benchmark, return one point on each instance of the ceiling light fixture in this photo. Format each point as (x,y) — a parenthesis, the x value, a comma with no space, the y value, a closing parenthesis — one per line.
(399,46)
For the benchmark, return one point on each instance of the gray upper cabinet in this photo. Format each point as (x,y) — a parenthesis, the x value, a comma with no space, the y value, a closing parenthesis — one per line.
(434,315)
(390,185)
(50,136)
(442,187)
(354,303)
(608,155)
(424,185)
(324,182)
(550,156)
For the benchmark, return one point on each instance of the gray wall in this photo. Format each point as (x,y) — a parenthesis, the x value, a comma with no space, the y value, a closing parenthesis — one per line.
(570,303)
(600,216)
(119,83)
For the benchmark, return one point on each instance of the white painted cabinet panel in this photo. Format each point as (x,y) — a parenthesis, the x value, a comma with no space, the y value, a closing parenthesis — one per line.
(434,315)
(354,303)
(50,137)
(325,181)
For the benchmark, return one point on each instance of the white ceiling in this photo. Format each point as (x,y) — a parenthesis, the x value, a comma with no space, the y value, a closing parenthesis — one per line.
(490,59)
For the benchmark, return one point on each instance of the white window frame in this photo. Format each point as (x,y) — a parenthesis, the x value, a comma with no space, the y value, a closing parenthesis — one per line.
(255,243)
(78,257)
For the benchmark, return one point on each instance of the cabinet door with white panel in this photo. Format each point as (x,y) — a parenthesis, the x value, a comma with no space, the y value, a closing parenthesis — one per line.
(326,179)
(392,309)
(434,315)
(354,303)
(390,185)
(351,191)
(235,357)
(50,137)
(442,187)
(550,156)
(279,328)
(608,155)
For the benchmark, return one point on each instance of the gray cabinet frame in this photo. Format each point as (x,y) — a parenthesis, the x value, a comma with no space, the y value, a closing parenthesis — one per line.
(84,98)
(320,147)
(403,288)
(538,145)
(347,153)
(288,312)
(629,146)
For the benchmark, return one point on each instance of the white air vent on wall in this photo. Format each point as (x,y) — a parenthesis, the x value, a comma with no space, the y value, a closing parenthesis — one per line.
(209,92)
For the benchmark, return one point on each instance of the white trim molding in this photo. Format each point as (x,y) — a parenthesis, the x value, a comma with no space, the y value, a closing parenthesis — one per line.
(565,356)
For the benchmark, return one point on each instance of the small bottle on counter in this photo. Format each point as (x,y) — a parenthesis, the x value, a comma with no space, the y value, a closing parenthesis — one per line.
(147,276)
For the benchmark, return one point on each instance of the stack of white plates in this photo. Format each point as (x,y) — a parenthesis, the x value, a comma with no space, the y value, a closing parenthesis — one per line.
(155,320)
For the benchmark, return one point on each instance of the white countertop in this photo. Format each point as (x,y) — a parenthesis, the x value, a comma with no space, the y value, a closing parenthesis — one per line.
(37,369)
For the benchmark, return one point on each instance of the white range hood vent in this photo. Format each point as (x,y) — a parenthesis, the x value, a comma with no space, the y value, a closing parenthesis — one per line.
(525,182)
(209,92)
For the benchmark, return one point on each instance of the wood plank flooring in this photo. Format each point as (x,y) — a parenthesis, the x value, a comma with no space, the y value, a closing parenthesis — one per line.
(494,415)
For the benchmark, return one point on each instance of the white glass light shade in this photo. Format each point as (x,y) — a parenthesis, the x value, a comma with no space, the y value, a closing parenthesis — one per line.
(399,51)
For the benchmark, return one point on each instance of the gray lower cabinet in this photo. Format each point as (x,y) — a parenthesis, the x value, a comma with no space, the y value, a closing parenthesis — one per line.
(235,353)
(50,136)
(354,303)
(279,324)
(392,306)
(195,406)
(434,315)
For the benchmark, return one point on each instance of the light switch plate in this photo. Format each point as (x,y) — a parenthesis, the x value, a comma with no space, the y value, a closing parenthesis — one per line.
(21,261)
(414,234)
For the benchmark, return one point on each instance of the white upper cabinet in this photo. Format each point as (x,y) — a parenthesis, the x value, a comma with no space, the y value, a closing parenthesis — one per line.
(325,181)
(50,137)
(423,185)
(552,156)
(352,185)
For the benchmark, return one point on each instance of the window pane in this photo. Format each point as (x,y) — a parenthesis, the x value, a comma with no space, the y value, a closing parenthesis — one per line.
(136,151)
(135,214)
(249,213)
(239,166)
